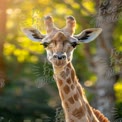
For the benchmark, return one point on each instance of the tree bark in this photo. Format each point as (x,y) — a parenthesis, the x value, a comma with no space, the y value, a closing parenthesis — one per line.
(2,40)
(106,76)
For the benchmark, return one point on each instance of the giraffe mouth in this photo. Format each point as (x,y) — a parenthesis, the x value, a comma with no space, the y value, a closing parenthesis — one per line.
(59,63)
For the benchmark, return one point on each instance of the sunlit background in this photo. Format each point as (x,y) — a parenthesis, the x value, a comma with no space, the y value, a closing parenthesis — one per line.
(27,89)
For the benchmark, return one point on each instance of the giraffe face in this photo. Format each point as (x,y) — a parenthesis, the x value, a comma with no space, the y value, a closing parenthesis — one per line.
(60,43)
(60,49)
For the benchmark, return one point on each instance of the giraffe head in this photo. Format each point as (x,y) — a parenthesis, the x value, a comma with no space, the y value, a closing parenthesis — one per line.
(60,43)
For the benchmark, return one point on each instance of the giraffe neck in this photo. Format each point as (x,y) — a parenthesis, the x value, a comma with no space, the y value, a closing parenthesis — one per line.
(74,102)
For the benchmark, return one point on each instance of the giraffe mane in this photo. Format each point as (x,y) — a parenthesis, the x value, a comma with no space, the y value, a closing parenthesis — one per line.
(100,116)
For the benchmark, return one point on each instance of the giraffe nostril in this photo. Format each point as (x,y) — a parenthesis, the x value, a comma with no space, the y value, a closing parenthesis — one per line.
(60,57)
(55,56)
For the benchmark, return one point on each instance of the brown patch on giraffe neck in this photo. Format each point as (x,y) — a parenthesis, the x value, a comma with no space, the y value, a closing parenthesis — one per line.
(76,97)
(66,89)
(71,100)
(69,65)
(78,113)
(72,120)
(67,70)
(72,87)
(66,105)
(73,74)
(68,80)
(63,74)
(60,82)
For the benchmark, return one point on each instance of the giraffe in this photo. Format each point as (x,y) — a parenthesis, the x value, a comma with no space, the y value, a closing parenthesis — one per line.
(59,45)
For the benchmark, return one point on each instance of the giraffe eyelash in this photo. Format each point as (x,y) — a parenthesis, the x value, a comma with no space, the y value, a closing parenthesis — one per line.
(45,44)
(74,44)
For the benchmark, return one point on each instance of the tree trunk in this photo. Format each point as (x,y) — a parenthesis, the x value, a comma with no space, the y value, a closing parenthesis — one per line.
(2,39)
(106,76)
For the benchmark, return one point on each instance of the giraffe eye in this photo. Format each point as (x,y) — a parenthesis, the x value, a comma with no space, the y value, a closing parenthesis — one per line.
(74,44)
(45,44)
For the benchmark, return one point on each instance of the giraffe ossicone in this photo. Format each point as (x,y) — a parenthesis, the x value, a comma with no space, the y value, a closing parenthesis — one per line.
(59,45)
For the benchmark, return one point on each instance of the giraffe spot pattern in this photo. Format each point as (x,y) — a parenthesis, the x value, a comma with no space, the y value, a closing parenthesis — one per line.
(73,75)
(66,89)
(68,81)
(78,113)
(66,104)
(67,71)
(63,75)
(76,97)
(69,66)
(72,87)
(72,120)
(71,100)
(60,82)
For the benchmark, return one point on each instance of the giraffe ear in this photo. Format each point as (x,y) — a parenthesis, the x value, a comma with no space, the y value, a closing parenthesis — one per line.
(88,35)
(33,34)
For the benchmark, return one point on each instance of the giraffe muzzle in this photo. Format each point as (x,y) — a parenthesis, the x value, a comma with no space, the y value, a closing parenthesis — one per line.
(59,59)
(59,56)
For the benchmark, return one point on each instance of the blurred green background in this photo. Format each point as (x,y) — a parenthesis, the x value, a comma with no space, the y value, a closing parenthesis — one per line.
(28,91)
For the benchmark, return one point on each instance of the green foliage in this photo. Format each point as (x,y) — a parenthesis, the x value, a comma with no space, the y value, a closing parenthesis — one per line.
(22,56)
(118,89)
